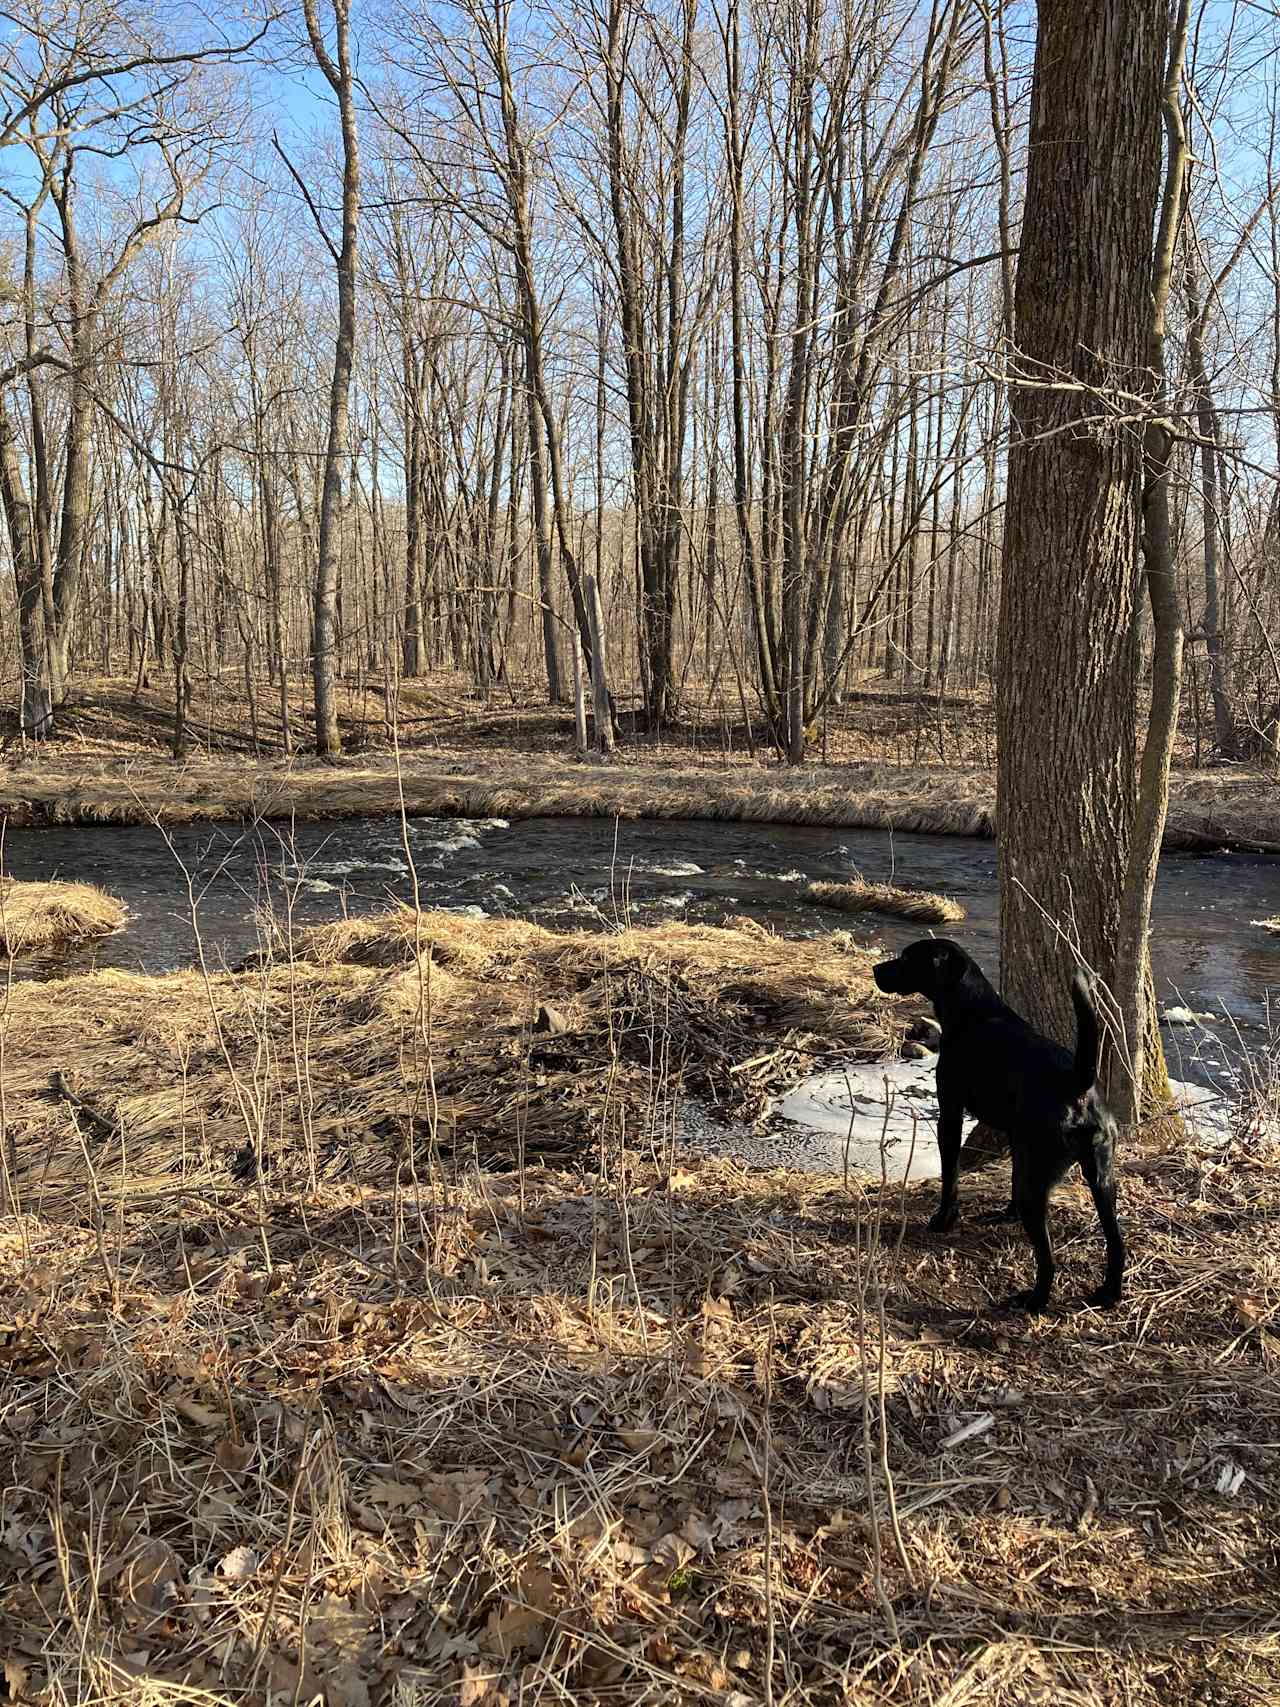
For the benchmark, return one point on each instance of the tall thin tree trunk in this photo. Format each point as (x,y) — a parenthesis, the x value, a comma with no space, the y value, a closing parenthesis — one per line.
(35,710)
(1213,623)
(1146,1084)
(328,566)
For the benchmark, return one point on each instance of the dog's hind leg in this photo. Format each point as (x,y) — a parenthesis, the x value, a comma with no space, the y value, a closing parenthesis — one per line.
(1099,1173)
(1031,1188)
(950,1130)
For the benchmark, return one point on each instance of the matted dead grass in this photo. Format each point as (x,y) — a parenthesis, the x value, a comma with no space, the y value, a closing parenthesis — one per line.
(1272,925)
(393,1428)
(36,915)
(376,1044)
(862,897)
(1210,811)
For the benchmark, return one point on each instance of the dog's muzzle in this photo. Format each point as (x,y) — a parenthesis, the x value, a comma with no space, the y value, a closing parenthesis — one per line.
(888,975)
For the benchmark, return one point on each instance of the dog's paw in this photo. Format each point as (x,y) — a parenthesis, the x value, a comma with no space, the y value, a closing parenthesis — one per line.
(999,1217)
(945,1220)
(1105,1298)
(1023,1303)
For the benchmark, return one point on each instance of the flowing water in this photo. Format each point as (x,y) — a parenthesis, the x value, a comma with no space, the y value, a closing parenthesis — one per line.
(1208,955)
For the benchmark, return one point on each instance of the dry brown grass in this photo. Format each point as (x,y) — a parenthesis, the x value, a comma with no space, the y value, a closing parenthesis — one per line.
(1210,812)
(403,1430)
(36,916)
(862,897)
(892,759)
(377,1043)
(1272,925)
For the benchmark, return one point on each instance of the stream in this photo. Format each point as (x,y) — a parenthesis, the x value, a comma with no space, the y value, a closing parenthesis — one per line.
(1208,955)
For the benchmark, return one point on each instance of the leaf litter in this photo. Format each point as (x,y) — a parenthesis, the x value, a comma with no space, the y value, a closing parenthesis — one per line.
(616,1425)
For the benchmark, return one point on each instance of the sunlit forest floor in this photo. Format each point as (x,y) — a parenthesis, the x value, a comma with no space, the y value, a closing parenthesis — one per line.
(360,1340)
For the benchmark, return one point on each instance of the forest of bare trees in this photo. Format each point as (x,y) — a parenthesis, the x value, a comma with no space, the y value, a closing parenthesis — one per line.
(364,341)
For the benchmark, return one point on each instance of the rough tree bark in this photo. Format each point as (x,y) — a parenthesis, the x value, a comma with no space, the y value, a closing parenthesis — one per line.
(36,710)
(1145,1085)
(337,74)
(1209,428)
(1069,628)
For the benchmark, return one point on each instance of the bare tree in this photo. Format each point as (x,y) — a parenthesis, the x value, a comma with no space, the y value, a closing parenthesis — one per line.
(337,70)
(1066,785)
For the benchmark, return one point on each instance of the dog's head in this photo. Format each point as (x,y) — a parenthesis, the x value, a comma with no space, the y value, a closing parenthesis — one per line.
(929,968)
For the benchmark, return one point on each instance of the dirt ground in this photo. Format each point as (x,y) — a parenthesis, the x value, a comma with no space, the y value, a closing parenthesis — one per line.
(364,1342)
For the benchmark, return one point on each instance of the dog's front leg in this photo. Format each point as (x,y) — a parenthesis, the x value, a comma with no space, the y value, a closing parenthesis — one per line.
(950,1128)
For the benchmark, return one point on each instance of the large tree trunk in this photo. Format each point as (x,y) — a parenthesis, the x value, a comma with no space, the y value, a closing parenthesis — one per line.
(1067,784)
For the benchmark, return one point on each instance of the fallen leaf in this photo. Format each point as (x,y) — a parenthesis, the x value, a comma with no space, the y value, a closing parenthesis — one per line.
(585,1411)
(457,1496)
(238,1565)
(473,1689)
(345,1686)
(672,1552)
(627,1555)
(202,1415)
(735,1511)
(338,1628)
(827,1396)
(728,1406)
(679,1177)
(513,1627)
(32,1540)
(17,1674)
(394,1494)
(152,1577)
(233,1456)
(637,1439)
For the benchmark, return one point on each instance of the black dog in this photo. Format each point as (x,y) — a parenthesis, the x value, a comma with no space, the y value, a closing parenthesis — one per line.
(993,1065)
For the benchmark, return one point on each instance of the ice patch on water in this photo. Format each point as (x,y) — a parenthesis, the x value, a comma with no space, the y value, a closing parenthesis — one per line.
(669,868)
(851,1117)
(857,1112)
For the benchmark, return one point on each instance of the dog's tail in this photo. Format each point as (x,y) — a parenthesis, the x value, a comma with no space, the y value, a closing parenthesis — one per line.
(1086,1033)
